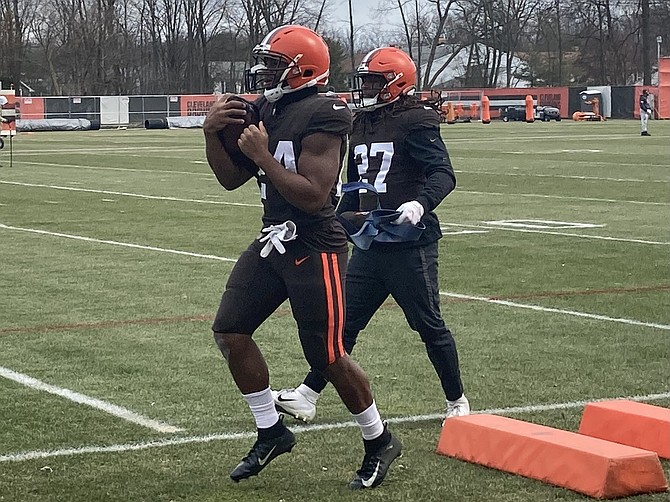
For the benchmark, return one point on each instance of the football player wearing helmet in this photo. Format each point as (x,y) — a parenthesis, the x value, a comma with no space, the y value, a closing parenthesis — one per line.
(297,149)
(396,148)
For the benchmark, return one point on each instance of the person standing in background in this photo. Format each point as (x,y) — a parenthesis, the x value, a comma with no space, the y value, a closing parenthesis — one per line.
(646,112)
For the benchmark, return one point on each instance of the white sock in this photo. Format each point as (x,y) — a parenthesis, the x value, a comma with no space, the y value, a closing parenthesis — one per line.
(262,407)
(309,393)
(370,422)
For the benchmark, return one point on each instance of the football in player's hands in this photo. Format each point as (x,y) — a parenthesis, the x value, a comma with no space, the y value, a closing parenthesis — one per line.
(231,133)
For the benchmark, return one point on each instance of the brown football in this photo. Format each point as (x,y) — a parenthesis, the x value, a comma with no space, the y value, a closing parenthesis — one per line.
(231,133)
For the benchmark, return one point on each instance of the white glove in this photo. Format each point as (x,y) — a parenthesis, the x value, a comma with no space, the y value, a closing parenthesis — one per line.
(411,212)
(275,235)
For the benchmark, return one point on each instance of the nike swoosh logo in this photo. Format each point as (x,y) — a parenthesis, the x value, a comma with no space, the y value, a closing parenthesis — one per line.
(284,400)
(433,140)
(339,107)
(300,261)
(262,461)
(368,482)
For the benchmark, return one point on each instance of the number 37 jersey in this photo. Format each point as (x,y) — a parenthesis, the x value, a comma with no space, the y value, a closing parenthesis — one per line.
(395,150)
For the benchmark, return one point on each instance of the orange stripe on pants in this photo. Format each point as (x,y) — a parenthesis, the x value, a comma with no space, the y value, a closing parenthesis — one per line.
(340,305)
(330,339)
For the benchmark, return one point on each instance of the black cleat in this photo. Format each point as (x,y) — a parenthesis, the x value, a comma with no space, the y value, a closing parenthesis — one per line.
(261,454)
(645,133)
(376,465)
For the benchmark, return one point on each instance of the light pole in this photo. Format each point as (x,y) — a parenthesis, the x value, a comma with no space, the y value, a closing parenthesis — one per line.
(659,40)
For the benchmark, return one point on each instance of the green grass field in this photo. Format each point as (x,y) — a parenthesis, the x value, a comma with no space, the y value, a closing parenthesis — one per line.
(115,247)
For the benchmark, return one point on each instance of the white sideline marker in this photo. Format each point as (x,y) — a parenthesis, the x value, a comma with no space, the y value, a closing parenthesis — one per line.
(66,452)
(110,408)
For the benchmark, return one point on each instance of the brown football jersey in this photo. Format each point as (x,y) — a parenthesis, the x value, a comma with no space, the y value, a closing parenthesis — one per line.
(288,122)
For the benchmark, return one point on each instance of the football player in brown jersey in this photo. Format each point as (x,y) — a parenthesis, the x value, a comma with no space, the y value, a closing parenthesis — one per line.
(396,147)
(301,252)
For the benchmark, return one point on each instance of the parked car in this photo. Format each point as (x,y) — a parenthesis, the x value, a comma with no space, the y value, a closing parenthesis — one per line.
(543,113)
(512,113)
(547,113)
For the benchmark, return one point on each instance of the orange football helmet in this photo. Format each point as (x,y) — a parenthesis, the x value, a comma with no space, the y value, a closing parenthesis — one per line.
(383,76)
(288,59)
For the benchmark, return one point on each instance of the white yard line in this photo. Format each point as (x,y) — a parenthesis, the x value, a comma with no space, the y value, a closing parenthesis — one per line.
(199,201)
(555,311)
(563,176)
(115,243)
(129,194)
(574,138)
(98,168)
(66,452)
(110,408)
(562,234)
(563,197)
(491,173)
(445,293)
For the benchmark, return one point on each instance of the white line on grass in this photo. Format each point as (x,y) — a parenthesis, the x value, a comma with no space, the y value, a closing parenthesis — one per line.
(562,176)
(114,243)
(492,173)
(562,234)
(110,408)
(556,311)
(66,452)
(128,194)
(564,197)
(98,168)
(445,293)
(199,201)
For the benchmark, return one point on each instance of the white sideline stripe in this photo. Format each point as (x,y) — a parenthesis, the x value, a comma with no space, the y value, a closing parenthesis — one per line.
(564,197)
(40,454)
(128,194)
(563,234)
(114,243)
(455,295)
(556,311)
(110,408)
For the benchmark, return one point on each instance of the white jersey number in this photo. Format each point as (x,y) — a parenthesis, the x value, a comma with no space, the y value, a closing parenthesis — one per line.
(376,179)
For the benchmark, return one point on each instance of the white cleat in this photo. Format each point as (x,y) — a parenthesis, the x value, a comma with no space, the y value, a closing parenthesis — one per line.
(458,408)
(294,403)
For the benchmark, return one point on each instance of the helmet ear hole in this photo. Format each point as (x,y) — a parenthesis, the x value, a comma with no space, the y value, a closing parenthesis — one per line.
(308,73)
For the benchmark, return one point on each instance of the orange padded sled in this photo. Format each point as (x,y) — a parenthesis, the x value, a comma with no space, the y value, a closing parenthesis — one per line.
(591,466)
(628,422)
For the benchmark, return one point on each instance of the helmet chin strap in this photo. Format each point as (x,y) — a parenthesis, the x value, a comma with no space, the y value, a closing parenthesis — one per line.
(275,94)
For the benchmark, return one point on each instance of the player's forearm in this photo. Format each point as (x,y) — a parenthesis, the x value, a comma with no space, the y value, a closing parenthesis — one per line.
(229,175)
(298,190)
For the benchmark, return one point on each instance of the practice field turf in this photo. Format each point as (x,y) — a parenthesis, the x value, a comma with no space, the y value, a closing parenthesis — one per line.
(115,246)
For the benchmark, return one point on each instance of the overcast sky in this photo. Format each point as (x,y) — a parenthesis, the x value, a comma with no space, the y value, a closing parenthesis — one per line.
(364,12)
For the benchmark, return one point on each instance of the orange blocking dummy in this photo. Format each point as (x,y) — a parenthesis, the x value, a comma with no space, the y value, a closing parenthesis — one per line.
(628,422)
(530,110)
(591,466)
